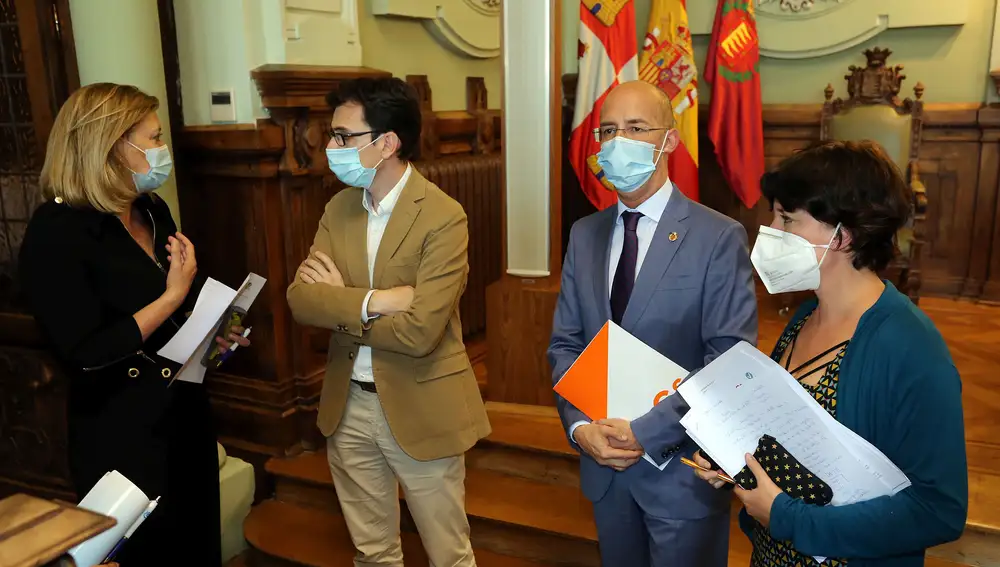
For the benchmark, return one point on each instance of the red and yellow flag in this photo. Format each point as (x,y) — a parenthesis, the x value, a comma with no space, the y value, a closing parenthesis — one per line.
(735,119)
(607,52)
(667,61)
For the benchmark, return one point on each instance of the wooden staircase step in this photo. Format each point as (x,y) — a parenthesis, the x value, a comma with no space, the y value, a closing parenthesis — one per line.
(284,534)
(980,543)
(535,428)
(508,514)
(489,496)
(984,502)
(527,442)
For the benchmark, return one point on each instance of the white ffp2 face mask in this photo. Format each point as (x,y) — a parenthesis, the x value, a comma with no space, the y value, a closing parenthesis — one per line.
(787,262)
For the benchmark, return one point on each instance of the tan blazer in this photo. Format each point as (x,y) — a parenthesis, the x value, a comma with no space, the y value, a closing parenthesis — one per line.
(422,372)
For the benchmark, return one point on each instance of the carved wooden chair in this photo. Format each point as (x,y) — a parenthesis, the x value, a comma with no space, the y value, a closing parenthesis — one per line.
(873,111)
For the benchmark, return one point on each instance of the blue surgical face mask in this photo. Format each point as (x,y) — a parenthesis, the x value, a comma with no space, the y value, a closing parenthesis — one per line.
(627,164)
(346,164)
(160,166)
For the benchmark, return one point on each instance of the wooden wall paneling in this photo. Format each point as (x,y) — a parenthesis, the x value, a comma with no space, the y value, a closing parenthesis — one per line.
(986,224)
(949,169)
(37,72)
(518,329)
(232,207)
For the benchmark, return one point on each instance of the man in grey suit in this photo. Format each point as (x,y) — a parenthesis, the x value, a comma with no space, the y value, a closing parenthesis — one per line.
(677,276)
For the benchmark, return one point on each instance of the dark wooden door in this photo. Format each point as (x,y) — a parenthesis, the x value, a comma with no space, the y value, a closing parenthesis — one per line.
(37,73)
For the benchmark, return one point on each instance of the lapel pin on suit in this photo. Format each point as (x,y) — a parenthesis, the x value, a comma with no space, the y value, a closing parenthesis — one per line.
(672,236)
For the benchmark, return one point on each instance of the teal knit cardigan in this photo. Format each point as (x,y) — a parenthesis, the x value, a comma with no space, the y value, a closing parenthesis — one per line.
(900,390)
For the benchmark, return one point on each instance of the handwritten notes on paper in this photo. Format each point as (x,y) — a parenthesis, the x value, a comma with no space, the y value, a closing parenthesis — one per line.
(743,394)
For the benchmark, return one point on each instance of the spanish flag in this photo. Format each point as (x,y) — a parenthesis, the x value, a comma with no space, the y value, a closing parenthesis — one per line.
(667,61)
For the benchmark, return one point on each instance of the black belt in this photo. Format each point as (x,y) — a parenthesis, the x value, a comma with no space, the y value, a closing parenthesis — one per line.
(366,386)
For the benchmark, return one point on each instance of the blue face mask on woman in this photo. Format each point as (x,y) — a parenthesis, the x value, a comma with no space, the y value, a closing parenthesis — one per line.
(346,164)
(627,164)
(160,166)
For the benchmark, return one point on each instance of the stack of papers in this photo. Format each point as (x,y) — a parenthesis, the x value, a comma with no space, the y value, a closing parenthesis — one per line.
(744,394)
(189,345)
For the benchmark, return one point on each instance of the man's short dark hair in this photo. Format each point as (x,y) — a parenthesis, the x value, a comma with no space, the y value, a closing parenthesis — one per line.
(390,105)
(855,184)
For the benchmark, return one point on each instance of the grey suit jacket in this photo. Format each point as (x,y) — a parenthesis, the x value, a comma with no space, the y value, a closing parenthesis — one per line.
(693,299)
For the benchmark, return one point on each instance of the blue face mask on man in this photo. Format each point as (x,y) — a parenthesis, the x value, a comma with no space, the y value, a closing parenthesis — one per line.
(346,164)
(160,166)
(627,163)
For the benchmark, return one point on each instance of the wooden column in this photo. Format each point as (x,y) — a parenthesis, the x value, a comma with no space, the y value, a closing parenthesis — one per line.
(520,305)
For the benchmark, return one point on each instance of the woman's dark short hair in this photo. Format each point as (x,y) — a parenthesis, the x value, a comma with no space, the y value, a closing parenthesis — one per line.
(855,184)
(390,105)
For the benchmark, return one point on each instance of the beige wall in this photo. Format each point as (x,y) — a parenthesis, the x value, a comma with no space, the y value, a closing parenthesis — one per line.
(118,41)
(221,41)
(952,62)
(404,47)
(218,44)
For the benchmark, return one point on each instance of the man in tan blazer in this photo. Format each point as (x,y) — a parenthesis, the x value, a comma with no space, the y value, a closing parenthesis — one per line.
(385,273)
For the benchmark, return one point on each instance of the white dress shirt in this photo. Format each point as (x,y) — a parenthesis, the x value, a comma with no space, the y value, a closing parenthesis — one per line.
(378,219)
(651,209)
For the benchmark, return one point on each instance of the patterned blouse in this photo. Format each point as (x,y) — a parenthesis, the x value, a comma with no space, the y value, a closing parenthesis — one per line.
(768,552)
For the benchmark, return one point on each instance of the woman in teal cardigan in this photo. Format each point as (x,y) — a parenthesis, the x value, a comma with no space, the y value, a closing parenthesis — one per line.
(867,355)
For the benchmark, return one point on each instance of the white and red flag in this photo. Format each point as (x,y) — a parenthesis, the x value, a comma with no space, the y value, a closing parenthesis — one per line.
(608,55)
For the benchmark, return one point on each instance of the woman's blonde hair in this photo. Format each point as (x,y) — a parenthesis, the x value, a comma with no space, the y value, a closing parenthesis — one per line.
(81,164)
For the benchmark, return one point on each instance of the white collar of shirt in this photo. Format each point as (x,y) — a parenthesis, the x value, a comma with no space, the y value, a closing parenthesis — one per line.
(653,207)
(389,201)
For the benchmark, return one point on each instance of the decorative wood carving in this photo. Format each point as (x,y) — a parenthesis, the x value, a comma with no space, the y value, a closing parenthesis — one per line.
(37,73)
(293,95)
(428,128)
(878,83)
(33,421)
(477,104)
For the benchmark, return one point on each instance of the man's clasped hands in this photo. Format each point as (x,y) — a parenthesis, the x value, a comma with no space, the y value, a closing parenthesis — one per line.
(610,442)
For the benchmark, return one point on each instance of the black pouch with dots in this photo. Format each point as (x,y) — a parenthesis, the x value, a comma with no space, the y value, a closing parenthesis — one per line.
(790,475)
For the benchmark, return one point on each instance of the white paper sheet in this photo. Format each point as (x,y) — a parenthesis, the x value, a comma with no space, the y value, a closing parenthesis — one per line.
(637,376)
(212,302)
(248,290)
(743,394)
(115,496)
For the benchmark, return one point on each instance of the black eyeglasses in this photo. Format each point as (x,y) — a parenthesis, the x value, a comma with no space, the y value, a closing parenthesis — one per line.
(342,137)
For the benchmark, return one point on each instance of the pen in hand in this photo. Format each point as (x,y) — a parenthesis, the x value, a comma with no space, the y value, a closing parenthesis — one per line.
(145,514)
(721,475)
(232,348)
